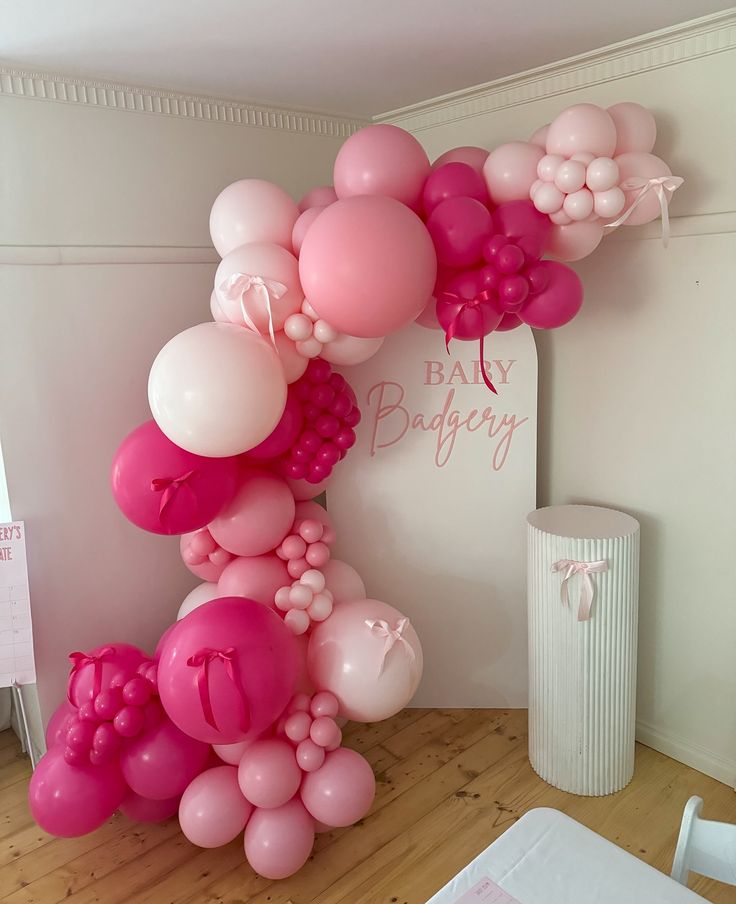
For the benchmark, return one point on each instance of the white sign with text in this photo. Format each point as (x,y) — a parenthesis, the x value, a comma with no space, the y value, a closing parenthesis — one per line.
(430,505)
(17,665)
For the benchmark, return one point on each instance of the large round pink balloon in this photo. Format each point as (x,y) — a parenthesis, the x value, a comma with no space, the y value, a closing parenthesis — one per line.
(350,350)
(105,661)
(511,169)
(349,656)
(341,791)
(582,127)
(212,810)
(58,724)
(313,511)
(368,266)
(73,800)
(164,489)
(252,210)
(254,577)
(558,303)
(640,167)
(268,774)
(320,196)
(259,516)
(217,389)
(302,226)
(473,156)
(143,809)
(574,241)
(278,842)
(343,581)
(636,128)
(227,670)
(381,160)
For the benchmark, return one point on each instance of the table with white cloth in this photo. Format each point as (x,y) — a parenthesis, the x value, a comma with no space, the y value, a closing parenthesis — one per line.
(548,858)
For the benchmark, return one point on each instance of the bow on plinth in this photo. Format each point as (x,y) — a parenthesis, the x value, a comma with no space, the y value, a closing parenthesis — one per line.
(587,591)
(169,487)
(392,636)
(240,285)
(662,186)
(470,304)
(203,660)
(79,660)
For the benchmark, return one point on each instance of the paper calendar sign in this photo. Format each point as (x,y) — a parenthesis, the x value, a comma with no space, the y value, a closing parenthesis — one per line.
(486,892)
(17,665)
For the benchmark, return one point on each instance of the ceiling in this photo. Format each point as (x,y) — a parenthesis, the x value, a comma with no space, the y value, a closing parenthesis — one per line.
(356,57)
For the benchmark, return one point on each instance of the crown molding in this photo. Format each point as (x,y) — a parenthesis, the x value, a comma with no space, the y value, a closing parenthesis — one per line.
(667,47)
(58,88)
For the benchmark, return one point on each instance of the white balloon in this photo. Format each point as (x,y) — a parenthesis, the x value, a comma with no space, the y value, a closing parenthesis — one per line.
(201,594)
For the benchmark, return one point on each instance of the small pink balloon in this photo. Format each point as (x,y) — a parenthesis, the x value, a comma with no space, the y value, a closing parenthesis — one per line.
(212,810)
(302,226)
(575,241)
(309,755)
(558,303)
(570,176)
(321,196)
(324,731)
(129,721)
(58,724)
(254,577)
(297,726)
(471,156)
(609,204)
(209,570)
(602,174)
(252,210)
(540,136)
(278,841)
(343,581)
(579,204)
(453,180)
(582,127)
(636,129)
(548,198)
(341,791)
(511,169)
(324,704)
(548,166)
(268,773)
(143,809)
(297,620)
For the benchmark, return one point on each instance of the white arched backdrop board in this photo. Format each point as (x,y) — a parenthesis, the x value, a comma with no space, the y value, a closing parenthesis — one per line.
(430,505)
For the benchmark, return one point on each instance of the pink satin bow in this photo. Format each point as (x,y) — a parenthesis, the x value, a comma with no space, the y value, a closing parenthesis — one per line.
(78,661)
(471,303)
(393,636)
(239,285)
(169,487)
(587,591)
(662,186)
(202,660)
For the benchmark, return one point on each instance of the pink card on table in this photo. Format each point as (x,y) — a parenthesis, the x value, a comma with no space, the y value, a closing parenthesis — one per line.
(486,892)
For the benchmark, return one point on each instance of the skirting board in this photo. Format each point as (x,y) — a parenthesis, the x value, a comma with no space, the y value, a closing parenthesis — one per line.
(705,761)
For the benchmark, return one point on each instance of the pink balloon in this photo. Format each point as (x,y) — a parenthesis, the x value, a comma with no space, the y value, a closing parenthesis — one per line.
(73,800)
(521,220)
(348,658)
(233,753)
(350,350)
(558,303)
(259,516)
(217,389)
(381,160)
(302,225)
(110,659)
(341,791)
(636,129)
(164,489)
(269,774)
(254,577)
(252,210)
(207,571)
(540,137)
(453,180)
(367,266)
(343,581)
(472,156)
(212,810)
(211,702)
(293,363)
(641,167)
(278,842)
(160,762)
(304,490)
(574,242)
(143,809)
(284,434)
(313,511)
(511,169)
(59,723)
(582,127)
(217,313)
(321,196)
(459,227)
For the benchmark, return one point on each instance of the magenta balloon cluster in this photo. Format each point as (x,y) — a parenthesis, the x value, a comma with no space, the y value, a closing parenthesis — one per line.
(235,720)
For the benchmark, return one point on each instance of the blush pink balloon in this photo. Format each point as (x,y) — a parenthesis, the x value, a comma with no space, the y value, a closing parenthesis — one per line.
(453,180)
(540,137)
(254,577)
(252,210)
(511,169)
(381,160)
(313,511)
(636,128)
(207,571)
(243,702)
(293,363)
(343,581)
(428,317)
(303,490)
(278,842)
(164,489)
(558,303)
(217,313)
(212,810)
(575,241)
(143,809)
(160,762)
(69,801)
(342,790)
(472,156)
(59,723)
(350,350)
(302,225)
(269,774)
(321,196)
(113,658)
(233,753)
(459,227)
(368,266)
(348,658)
(641,167)
(282,438)
(582,127)
(259,516)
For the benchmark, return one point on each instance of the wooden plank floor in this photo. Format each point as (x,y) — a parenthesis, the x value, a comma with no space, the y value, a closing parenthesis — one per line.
(449,782)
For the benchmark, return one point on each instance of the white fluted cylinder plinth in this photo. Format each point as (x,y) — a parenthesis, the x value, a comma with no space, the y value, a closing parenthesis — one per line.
(583,599)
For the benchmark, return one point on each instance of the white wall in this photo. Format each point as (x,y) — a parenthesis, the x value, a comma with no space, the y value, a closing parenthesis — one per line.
(636,395)
(128,196)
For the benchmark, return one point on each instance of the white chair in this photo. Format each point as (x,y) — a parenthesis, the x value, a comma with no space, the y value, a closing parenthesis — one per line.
(704,846)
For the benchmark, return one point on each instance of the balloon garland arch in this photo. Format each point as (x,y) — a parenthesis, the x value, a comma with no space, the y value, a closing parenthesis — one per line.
(234,722)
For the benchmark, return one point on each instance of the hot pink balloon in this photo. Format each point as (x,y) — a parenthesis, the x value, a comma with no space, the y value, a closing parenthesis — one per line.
(367,266)
(350,350)
(268,774)
(463,310)
(69,801)
(164,489)
(254,577)
(95,669)
(343,581)
(350,658)
(284,434)
(558,303)
(302,226)
(641,167)
(508,322)
(259,516)
(252,210)
(321,196)
(520,220)
(636,128)
(453,180)
(575,241)
(278,842)
(227,670)
(381,160)
(341,791)
(58,724)
(143,809)
(212,810)
(582,127)
(511,169)
(468,154)
(459,227)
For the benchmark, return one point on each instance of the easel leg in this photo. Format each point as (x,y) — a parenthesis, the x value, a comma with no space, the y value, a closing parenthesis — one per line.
(25,739)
